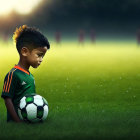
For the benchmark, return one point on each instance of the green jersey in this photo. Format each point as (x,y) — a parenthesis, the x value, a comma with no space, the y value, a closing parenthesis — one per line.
(17,83)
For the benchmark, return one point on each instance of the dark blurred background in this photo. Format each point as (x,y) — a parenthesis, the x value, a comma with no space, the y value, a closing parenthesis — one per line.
(108,18)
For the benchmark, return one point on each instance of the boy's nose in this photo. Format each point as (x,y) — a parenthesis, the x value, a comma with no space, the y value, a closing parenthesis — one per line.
(41,59)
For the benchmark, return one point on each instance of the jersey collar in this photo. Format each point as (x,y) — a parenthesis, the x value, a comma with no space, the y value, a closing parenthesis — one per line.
(18,67)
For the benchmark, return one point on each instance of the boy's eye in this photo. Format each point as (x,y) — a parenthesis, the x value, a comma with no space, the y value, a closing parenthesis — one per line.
(40,55)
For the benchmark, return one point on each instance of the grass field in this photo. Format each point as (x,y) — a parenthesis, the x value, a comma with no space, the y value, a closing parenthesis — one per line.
(93,92)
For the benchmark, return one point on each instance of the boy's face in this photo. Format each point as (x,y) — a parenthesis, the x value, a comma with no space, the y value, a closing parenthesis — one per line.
(35,57)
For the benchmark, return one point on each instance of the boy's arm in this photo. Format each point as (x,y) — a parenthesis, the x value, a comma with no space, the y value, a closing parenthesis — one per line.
(11,109)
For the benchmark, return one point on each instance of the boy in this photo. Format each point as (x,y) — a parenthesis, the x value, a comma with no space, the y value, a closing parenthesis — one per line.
(31,46)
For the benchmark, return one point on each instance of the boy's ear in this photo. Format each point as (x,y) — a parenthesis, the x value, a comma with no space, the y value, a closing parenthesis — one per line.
(24,51)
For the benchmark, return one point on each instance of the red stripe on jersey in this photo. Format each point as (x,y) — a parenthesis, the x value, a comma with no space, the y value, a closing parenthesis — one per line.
(4,86)
(10,82)
(17,67)
(7,82)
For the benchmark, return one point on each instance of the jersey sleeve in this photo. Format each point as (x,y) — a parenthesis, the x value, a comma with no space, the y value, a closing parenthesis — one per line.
(10,84)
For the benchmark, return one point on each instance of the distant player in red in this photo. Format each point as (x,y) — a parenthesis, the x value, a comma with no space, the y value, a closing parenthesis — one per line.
(138,37)
(5,36)
(81,37)
(58,37)
(92,36)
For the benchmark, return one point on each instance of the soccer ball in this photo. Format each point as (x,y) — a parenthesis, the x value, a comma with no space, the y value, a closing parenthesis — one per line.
(33,108)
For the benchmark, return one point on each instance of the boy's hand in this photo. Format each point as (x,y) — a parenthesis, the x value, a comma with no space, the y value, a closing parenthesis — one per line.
(11,109)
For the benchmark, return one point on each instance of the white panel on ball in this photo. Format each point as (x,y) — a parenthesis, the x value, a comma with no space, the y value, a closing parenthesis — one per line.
(31,111)
(37,97)
(38,101)
(22,102)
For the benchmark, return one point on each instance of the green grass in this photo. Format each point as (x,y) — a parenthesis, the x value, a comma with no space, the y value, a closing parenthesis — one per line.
(93,92)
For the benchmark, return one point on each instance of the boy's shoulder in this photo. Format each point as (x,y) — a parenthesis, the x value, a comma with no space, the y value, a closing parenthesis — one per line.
(13,71)
(9,80)
(11,74)
(18,74)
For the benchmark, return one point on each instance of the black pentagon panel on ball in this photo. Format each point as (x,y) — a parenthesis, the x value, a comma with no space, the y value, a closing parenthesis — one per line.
(40,112)
(29,99)
(24,113)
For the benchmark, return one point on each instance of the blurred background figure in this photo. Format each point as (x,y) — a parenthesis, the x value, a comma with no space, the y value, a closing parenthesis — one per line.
(92,36)
(5,36)
(138,37)
(58,38)
(81,37)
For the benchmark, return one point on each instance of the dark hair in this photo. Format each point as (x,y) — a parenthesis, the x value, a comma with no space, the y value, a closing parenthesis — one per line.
(29,37)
